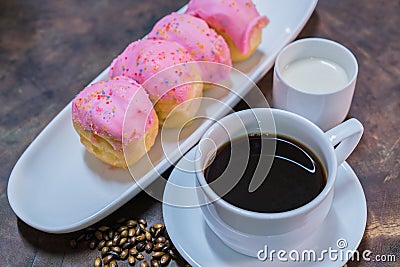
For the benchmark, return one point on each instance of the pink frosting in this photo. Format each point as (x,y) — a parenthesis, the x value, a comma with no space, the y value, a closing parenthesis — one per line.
(202,42)
(101,108)
(143,59)
(235,18)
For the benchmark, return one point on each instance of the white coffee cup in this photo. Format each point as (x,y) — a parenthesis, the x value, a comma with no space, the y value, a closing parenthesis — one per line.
(311,96)
(253,229)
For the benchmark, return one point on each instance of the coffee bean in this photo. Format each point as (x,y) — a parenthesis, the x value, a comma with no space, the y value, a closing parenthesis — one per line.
(104,251)
(131,223)
(142,227)
(103,228)
(131,260)
(167,246)
(160,239)
(142,221)
(116,239)
(165,259)
(149,247)
(107,259)
(122,241)
(140,238)
(101,244)
(90,229)
(132,240)
(140,247)
(124,254)
(166,233)
(92,244)
(148,236)
(158,232)
(113,263)
(116,249)
(133,251)
(158,225)
(127,240)
(124,233)
(155,263)
(127,245)
(113,253)
(158,254)
(138,231)
(158,246)
(168,242)
(131,232)
(98,235)
(106,236)
(122,228)
(174,254)
(152,230)
(110,233)
(139,256)
(97,262)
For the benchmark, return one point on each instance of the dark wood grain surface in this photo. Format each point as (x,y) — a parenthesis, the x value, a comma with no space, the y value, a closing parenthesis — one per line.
(49,50)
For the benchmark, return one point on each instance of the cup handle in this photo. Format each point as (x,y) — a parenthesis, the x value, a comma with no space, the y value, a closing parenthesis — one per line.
(347,135)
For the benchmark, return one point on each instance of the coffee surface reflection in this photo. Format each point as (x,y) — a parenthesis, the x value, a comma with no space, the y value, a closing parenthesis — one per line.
(295,177)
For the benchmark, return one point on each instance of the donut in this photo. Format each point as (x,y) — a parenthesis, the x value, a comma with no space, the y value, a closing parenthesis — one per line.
(238,21)
(202,43)
(169,75)
(115,120)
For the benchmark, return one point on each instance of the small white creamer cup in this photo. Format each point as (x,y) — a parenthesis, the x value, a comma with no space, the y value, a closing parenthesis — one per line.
(324,109)
(248,231)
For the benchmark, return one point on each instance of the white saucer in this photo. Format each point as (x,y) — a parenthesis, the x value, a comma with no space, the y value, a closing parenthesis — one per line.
(198,244)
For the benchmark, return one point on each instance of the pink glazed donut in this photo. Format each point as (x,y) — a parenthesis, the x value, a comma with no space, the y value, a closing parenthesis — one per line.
(202,43)
(238,21)
(169,75)
(115,120)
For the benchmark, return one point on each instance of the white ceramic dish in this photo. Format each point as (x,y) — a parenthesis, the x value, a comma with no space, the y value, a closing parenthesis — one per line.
(198,244)
(57,187)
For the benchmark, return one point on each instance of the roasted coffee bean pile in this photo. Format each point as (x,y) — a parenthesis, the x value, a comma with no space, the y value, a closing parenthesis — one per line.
(132,241)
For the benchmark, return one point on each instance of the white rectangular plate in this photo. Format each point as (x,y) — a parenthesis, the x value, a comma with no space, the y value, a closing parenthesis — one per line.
(58,187)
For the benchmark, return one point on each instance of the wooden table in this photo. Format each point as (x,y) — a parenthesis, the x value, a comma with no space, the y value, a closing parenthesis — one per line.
(49,50)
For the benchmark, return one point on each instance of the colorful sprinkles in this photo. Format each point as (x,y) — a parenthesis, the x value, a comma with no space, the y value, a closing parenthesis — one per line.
(201,42)
(158,66)
(101,108)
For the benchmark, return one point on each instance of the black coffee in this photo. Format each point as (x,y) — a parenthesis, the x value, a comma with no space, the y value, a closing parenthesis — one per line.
(295,178)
